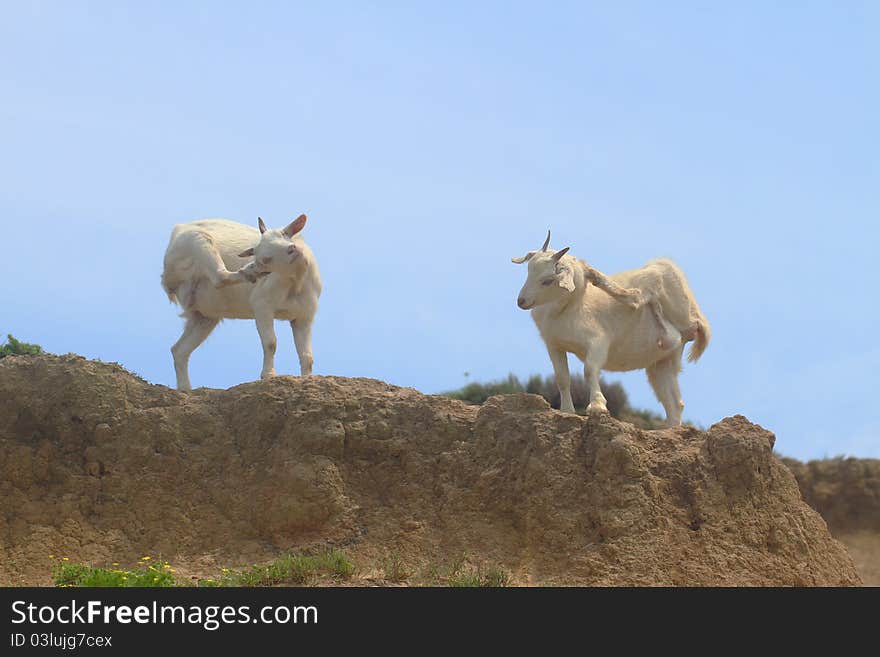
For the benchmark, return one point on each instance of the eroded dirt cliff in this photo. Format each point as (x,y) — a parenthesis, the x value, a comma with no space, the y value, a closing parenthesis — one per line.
(101,466)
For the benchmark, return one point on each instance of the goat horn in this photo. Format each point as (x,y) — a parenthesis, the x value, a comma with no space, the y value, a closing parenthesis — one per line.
(558,255)
(261,224)
(546,242)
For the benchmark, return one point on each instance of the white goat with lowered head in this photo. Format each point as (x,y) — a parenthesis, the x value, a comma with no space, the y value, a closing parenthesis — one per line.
(637,319)
(219,269)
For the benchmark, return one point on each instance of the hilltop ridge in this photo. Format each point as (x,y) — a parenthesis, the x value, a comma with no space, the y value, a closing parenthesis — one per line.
(98,465)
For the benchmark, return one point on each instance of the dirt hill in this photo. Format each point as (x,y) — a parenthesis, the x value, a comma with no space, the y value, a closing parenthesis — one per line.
(846,491)
(100,466)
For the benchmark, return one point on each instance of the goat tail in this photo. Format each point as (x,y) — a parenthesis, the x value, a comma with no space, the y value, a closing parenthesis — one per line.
(701,340)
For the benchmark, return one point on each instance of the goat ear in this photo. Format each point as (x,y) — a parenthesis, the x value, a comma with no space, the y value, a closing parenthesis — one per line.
(565,279)
(247,253)
(261,225)
(295,226)
(522,259)
(558,255)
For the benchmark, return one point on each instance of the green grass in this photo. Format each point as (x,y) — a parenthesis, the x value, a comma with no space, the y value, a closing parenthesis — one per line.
(296,569)
(289,569)
(464,577)
(144,574)
(459,574)
(395,568)
(475,578)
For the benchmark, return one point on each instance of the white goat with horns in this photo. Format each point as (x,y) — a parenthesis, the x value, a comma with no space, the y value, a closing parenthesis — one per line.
(638,319)
(218,269)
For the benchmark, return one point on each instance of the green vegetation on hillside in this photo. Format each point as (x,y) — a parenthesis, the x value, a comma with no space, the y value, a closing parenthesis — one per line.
(332,567)
(15,348)
(147,573)
(615,395)
(290,569)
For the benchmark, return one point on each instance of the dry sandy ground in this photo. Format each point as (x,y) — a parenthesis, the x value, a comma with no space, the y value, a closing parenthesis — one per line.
(864,548)
(846,493)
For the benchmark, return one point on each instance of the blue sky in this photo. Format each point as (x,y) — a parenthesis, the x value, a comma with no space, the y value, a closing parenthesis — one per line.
(430,142)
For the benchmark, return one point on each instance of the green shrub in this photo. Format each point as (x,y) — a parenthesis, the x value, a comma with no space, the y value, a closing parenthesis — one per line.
(643,418)
(477,393)
(15,348)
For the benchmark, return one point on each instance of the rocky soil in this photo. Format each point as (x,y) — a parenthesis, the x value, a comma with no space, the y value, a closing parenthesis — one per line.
(100,466)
